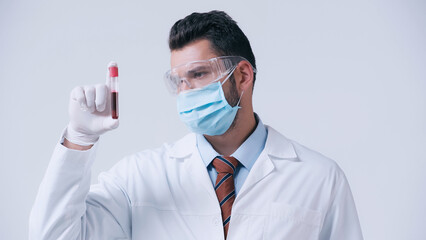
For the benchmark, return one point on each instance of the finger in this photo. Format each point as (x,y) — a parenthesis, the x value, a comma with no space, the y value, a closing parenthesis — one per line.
(77,94)
(101,97)
(89,92)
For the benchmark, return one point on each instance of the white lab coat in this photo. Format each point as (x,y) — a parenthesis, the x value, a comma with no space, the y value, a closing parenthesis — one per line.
(291,193)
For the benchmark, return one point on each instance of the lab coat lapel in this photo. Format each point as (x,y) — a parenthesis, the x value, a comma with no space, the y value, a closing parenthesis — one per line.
(261,168)
(277,147)
(198,171)
(187,150)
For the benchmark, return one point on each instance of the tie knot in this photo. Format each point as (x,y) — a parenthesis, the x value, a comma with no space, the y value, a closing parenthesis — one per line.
(225,164)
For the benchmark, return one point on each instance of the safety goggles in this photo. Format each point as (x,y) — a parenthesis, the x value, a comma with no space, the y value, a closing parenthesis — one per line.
(198,74)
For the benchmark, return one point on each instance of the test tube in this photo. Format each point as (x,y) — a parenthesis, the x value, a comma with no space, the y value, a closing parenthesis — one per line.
(113,83)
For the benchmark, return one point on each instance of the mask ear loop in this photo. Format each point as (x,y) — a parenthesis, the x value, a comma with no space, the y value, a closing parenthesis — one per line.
(239,100)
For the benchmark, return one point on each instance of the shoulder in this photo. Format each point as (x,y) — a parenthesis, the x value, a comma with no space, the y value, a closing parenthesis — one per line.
(310,159)
(155,159)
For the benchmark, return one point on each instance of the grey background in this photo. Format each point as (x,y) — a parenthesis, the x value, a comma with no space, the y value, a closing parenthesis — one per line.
(346,78)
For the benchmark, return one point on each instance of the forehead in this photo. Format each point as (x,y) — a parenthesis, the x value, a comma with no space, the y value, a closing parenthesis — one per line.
(195,51)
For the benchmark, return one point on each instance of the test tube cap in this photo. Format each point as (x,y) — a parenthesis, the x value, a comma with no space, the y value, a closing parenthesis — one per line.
(113,69)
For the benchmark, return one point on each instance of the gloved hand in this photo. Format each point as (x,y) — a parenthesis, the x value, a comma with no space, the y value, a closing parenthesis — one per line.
(90,114)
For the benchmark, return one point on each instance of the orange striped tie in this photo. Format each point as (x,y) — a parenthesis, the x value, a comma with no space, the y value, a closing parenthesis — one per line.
(224,187)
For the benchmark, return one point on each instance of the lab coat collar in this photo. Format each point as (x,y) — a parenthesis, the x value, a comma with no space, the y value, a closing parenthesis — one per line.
(184,147)
(279,146)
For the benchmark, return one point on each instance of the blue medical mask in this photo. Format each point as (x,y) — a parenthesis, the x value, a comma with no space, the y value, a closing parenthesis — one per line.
(206,110)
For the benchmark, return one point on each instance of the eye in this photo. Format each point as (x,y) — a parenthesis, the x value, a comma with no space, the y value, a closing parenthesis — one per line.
(199,74)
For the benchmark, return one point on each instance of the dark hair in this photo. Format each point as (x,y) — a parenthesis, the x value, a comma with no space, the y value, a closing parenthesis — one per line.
(225,37)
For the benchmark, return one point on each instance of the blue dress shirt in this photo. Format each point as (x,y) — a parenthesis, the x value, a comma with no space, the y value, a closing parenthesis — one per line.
(246,154)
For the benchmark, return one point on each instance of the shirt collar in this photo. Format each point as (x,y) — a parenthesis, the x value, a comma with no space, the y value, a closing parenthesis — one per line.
(246,154)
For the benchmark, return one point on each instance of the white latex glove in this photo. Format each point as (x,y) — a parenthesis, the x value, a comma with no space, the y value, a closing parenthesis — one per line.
(90,114)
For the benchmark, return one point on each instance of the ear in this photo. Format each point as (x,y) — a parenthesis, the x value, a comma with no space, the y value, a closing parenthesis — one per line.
(244,76)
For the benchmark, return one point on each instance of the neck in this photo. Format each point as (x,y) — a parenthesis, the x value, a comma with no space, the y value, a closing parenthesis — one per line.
(231,140)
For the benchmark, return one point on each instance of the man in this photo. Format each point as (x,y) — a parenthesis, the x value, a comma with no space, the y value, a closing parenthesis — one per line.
(232,178)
